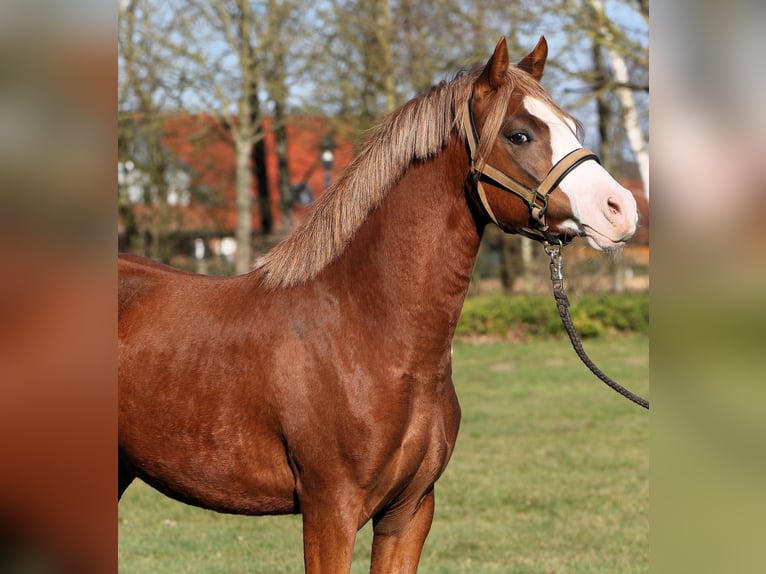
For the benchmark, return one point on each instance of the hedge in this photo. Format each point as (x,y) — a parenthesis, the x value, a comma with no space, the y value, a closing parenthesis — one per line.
(524,316)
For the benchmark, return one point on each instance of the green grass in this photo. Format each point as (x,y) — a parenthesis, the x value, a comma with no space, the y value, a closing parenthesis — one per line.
(550,475)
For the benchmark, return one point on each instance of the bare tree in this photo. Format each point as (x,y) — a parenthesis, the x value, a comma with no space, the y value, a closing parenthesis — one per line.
(216,47)
(616,76)
(610,40)
(279,21)
(141,91)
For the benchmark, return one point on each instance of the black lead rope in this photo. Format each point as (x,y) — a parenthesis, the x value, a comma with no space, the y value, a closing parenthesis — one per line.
(562,303)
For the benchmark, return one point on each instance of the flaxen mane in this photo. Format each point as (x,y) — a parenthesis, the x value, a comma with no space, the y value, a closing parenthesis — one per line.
(418,130)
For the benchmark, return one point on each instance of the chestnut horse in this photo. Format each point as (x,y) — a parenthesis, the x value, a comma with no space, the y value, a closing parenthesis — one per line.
(320,382)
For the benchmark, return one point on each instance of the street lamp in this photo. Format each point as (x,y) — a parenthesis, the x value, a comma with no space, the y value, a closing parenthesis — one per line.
(327,156)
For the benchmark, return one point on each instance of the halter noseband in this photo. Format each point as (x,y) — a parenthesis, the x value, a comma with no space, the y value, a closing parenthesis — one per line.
(535,198)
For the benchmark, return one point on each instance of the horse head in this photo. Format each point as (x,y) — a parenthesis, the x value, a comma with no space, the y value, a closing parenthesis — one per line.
(532,174)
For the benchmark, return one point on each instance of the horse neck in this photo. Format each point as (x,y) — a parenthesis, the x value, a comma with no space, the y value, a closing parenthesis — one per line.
(410,264)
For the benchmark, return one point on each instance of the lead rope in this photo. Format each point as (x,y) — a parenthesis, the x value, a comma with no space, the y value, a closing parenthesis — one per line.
(562,303)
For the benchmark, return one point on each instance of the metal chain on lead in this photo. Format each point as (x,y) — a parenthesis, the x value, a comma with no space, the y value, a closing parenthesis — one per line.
(562,303)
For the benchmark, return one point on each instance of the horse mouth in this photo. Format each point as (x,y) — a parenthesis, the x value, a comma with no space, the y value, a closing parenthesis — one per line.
(597,240)
(600,241)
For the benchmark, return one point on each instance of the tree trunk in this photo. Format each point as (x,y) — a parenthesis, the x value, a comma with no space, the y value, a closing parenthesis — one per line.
(276,47)
(625,96)
(244,188)
(510,261)
(603,110)
(262,184)
(283,173)
(527,260)
(630,121)
(615,268)
(249,62)
(618,272)
(383,31)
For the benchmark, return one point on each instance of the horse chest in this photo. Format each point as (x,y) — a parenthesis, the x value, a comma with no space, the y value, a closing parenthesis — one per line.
(415,452)
(381,436)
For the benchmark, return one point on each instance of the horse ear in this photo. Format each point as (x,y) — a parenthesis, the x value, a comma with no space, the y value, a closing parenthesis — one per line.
(494,73)
(534,62)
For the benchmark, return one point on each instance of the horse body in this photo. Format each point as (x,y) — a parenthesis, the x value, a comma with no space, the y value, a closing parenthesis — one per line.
(266,400)
(330,395)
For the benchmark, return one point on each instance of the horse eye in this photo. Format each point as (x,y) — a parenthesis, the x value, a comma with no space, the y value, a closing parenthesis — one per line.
(519,138)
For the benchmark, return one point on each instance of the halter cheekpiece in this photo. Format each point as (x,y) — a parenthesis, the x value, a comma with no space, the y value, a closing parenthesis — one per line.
(535,198)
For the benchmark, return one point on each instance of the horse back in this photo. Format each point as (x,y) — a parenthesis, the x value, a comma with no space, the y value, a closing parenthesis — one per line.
(138,278)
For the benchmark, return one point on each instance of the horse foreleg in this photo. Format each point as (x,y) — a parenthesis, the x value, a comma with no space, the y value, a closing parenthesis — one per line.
(329,532)
(399,537)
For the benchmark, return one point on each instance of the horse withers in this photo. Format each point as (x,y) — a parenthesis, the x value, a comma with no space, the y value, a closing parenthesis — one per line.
(320,382)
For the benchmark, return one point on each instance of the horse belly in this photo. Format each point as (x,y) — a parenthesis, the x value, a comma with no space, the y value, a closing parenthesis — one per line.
(214,474)
(206,445)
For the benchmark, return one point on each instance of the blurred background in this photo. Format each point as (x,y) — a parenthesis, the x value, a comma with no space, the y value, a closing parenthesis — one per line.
(708,283)
(319,74)
(234,116)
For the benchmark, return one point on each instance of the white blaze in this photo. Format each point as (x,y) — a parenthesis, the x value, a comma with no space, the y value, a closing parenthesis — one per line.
(601,207)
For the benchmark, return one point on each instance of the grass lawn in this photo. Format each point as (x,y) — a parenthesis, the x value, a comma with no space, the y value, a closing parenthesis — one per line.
(550,475)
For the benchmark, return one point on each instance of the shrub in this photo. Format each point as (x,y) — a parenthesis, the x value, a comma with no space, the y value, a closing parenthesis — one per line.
(523,316)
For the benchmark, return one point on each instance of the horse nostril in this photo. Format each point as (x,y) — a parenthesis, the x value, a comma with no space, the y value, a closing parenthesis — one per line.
(614,206)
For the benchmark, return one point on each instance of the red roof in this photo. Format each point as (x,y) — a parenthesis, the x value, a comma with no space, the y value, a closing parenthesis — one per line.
(207,150)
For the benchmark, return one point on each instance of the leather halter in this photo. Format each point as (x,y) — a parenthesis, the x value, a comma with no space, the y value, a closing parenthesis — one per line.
(535,198)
